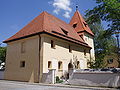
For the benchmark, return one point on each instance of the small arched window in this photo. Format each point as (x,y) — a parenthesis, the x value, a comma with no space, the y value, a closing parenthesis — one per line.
(70,66)
(60,65)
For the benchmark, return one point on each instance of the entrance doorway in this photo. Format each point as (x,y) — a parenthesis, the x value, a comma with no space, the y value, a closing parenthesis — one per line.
(70,66)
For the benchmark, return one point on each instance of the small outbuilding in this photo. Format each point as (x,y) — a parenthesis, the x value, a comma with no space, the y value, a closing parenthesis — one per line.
(48,43)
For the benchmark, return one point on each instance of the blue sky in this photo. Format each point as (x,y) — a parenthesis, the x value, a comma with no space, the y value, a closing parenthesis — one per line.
(15,14)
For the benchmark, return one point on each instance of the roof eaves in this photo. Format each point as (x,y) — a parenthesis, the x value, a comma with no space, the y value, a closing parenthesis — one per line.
(6,41)
(67,36)
(71,40)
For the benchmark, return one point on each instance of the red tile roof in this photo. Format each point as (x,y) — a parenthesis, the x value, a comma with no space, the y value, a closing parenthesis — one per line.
(81,24)
(48,23)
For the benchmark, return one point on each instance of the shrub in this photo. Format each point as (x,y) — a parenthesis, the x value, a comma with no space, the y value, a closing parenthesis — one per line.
(58,80)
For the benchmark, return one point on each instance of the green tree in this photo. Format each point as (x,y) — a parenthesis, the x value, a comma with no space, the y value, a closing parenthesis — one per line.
(107,10)
(104,44)
(2,54)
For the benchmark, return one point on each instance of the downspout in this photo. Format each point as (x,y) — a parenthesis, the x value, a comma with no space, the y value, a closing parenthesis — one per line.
(90,57)
(39,58)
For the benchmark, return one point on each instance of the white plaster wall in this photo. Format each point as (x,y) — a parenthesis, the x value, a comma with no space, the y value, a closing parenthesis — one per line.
(13,71)
(104,79)
(61,53)
(89,40)
(82,63)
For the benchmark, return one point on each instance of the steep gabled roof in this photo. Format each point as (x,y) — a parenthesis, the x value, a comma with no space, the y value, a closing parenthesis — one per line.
(80,24)
(47,23)
(35,26)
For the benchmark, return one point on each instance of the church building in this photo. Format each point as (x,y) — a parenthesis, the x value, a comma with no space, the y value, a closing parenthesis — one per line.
(48,43)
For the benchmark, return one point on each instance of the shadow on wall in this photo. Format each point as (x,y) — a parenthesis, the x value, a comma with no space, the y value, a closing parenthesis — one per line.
(1,74)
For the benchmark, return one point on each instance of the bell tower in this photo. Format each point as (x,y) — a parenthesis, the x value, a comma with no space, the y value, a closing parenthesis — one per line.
(83,30)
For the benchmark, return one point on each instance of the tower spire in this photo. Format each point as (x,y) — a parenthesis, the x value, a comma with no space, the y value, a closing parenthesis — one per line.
(81,24)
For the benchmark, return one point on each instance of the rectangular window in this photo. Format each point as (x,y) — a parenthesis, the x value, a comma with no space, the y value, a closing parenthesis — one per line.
(23,47)
(22,64)
(84,52)
(49,64)
(52,44)
(70,50)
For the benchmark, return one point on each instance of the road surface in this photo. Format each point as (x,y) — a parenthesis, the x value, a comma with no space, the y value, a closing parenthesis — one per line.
(14,85)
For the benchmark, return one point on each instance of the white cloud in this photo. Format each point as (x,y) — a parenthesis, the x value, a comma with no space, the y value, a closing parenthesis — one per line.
(66,14)
(62,5)
(56,11)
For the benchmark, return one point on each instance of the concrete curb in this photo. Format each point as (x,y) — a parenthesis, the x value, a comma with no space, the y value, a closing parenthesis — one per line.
(81,87)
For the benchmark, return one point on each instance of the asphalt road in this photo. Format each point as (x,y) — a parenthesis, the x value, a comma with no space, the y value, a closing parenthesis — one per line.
(13,85)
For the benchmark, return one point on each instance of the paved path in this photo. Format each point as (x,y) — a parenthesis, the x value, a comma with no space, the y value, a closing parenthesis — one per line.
(13,85)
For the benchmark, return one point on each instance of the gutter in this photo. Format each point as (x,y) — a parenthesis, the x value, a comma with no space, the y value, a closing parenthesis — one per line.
(39,43)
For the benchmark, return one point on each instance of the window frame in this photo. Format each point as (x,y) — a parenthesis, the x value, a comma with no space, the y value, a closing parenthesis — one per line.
(22,64)
(50,66)
(52,44)
(85,52)
(70,50)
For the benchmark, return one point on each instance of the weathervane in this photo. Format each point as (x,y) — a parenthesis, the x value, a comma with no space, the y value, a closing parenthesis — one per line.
(76,7)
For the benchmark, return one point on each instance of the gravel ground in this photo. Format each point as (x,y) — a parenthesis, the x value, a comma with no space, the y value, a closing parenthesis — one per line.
(13,85)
